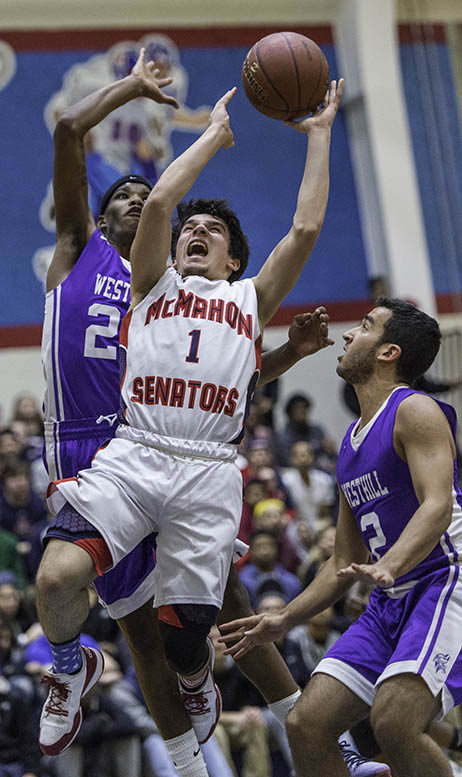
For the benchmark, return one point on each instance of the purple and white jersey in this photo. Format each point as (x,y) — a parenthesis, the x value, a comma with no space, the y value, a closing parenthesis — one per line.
(81,335)
(378,487)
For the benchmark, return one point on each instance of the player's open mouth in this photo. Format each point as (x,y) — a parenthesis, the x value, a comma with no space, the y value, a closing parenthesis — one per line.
(198,248)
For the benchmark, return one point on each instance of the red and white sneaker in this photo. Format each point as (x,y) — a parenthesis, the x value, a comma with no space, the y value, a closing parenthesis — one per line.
(358,766)
(203,704)
(62,715)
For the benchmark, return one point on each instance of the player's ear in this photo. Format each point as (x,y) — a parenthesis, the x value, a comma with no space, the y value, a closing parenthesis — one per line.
(389,352)
(101,222)
(234,264)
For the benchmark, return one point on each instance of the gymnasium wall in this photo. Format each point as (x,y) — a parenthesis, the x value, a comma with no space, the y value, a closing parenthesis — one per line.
(42,68)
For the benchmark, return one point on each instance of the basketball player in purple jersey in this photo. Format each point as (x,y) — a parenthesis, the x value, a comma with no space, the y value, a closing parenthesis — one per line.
(400,505)
(88,294)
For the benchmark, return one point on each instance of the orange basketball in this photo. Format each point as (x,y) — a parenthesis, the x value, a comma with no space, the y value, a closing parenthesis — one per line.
(285,75)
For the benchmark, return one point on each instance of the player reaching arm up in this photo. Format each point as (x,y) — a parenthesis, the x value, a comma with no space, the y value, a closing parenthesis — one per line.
(308,334)
(327,587)
(74,221)
(151,247)
(282,268)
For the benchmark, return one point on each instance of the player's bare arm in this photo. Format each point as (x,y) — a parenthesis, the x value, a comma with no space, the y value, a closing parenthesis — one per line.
(327,587)
(74,221)
(282,268)
(308,334)
(151,246)
(423,439)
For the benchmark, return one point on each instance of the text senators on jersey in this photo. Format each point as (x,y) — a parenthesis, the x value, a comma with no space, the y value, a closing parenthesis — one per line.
(176,392)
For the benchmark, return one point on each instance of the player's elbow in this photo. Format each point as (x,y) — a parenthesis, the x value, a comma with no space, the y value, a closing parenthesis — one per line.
(305,233)
(158,204)
(66,129)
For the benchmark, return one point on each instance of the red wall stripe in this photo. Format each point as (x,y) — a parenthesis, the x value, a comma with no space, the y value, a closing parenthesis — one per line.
(101,39)
(30,335)
(200,37)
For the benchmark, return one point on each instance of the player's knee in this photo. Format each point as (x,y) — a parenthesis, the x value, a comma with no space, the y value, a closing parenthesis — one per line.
(186,651)
(63,566)
(386,726)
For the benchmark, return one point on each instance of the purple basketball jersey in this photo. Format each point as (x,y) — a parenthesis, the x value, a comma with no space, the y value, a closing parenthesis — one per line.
(378,487)
(80,353)
(81,335)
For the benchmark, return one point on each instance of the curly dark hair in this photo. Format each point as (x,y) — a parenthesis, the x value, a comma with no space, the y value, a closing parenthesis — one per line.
(238,245)
(417,334)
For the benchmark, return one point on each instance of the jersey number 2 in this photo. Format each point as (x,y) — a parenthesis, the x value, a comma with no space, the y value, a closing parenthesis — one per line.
(372,519)
(110,329)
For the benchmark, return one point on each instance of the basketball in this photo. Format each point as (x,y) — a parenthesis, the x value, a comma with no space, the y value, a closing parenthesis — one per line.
(285,75)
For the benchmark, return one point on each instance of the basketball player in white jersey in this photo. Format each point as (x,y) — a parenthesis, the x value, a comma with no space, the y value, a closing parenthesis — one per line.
(88,287)
(179,460)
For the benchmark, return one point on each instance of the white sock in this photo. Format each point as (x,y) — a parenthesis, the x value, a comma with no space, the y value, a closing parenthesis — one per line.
(186,755)
(346,737)
(281,708)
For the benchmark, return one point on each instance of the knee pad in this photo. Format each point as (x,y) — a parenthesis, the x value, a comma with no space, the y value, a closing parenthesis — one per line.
(184,629)
(186,651)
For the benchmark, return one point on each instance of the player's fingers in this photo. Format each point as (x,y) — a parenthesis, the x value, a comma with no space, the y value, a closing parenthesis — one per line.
(142,54)
(236,625)
(228,95)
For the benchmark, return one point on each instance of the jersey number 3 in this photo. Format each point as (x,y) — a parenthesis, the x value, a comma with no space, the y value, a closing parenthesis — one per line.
(109,330)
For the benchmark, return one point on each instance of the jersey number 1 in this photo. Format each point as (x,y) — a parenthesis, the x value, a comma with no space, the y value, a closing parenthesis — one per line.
(195,336)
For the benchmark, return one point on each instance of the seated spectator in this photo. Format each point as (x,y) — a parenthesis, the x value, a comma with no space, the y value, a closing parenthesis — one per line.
(20,507)
(298,546)
(12,610)
(26,408)
(262,564)
(10,448)
(298,428)
(19,750)
(11,560)
(315,638)
(273,515)
(312,490)
(259,454)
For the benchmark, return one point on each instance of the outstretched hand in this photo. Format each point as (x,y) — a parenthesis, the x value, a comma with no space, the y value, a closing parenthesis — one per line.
(150,84)
(242,635)
(323,117)
(371,574)
(219,117)
(309,332)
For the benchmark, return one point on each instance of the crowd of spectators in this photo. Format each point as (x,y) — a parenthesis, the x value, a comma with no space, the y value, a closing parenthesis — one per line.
(288,521)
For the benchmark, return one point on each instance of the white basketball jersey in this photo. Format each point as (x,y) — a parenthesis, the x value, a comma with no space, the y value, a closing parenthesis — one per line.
(193,358)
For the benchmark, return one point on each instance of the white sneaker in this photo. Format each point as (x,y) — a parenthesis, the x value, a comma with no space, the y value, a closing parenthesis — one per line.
(362,767)
(62,715)
(203,704)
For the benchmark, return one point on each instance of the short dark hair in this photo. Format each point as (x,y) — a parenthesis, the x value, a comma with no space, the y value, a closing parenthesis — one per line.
(417,334)
(238,244)
(296,399)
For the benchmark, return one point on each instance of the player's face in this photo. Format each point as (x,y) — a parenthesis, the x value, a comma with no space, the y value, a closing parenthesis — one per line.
(123,210)
(203,248)
(357,364)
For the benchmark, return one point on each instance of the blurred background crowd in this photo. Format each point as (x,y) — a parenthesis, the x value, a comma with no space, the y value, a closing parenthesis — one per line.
(289,522)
